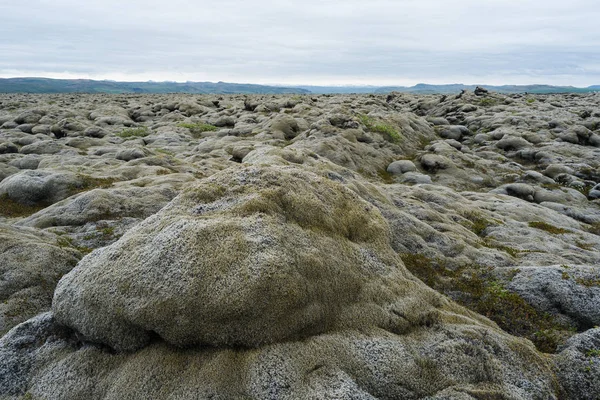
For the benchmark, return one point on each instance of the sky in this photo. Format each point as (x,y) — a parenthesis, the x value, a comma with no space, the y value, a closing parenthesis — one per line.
(309,42)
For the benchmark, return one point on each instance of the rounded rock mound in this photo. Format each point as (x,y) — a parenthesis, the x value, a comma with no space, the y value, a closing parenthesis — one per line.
(39,187)
(31,263)
(246,258)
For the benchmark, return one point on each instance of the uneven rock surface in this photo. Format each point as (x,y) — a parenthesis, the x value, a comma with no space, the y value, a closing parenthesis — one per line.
(287,247)
(32,263)
(248,253)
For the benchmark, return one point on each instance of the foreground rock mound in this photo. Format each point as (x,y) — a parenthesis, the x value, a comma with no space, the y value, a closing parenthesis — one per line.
(31,263)
(578,365)
(248,258)
(41,359)
(291,279)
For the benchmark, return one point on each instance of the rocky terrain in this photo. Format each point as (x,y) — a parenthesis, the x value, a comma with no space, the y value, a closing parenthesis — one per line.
(300,246)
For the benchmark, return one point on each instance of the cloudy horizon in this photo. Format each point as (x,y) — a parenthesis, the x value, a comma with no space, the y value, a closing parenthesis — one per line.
(309,43)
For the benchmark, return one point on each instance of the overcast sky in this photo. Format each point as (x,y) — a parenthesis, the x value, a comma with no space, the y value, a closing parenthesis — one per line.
(374,42)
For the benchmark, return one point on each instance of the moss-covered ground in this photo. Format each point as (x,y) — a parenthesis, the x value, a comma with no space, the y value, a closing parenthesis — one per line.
(475,288)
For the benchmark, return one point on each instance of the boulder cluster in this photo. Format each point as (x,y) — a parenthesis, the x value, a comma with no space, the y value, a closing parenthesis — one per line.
(295,247)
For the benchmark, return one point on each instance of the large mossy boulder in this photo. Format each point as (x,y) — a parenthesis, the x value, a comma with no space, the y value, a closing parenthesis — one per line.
(247,258)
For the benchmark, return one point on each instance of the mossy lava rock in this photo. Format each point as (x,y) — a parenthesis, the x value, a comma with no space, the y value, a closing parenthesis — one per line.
(246,258)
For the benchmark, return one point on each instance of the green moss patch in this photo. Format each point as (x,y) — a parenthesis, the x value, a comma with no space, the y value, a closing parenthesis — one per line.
(385,176)
(513,252)
(12,209)
(548,228)
(594,229)
(475,288)
(89,182)
(588,282)
(198,128)
(479,223)
(387,131)
(141,131)
(488,102)
(593,353)
(65,241)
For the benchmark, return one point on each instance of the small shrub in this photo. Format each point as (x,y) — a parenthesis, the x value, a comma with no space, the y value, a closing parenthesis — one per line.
(548,228)
(142,131)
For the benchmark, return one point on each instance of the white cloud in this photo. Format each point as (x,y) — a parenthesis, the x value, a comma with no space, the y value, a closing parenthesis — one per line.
(359,42)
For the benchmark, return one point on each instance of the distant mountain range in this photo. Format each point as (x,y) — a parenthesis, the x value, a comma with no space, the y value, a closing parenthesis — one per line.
(448,89)
(45,85)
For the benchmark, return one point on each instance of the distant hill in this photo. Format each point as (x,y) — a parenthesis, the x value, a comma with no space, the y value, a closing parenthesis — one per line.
(340,89)
(456,88)
(45,85)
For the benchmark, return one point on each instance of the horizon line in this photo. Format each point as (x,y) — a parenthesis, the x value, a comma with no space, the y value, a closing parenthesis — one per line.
(299,85)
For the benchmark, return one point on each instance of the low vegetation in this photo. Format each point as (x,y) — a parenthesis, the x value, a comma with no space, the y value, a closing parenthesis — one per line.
(588,282)
(488,102)
(594,228)
(89,182)
(65,241)
(390,133)
(141,131)
(12,209)
(196,129)
(478,223)
(548,228)
(593,353)
(385,176)
(475,288)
